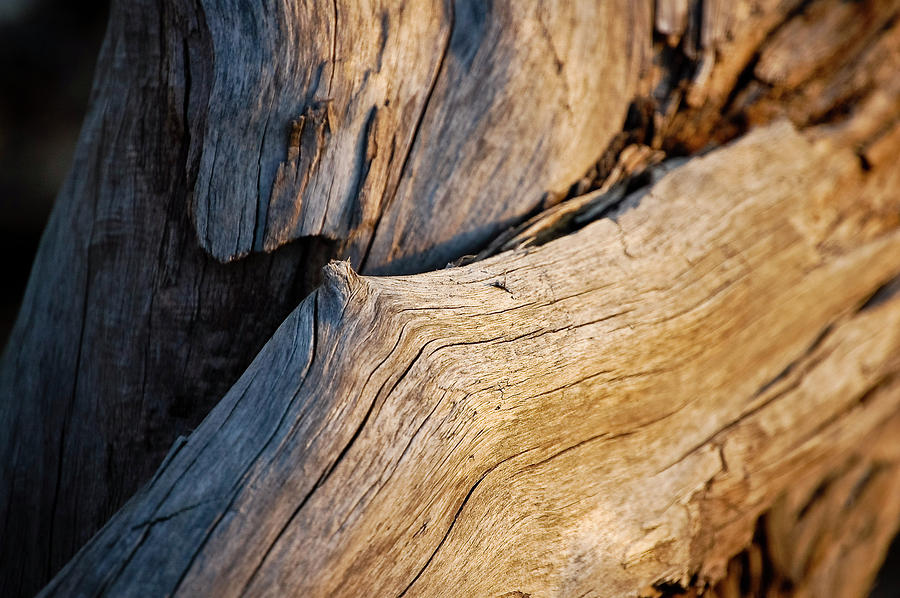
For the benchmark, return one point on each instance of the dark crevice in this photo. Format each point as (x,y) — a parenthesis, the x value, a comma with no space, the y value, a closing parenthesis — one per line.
(639,128)
(334,35)
(546,226)
(874,389)
(842,109)
(572,447)
(262,204)
(761,540)
(693,37)
(821,489)
(674,588)
(161,518)
(745,78)
(367,153)
(784,373)
(862,483)
(882,295)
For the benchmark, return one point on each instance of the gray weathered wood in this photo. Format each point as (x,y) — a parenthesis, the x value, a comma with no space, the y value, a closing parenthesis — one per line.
(129,332)
(606,412)
(373,120)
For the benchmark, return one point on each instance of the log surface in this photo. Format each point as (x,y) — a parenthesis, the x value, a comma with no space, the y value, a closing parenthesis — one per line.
(132,328)
(601,415)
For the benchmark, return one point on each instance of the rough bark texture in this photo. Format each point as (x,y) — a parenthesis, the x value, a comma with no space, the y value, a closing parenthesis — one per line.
(402,138)
(607,412)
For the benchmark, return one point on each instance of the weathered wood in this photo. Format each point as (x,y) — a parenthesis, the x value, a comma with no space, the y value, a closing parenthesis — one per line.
(129,332)
(411,136)
(815,62)
(388,102)
(216,130)
(607,412)
(824,536)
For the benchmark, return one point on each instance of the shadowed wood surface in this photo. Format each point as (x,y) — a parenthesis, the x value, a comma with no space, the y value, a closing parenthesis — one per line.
(128,331)
(605,413)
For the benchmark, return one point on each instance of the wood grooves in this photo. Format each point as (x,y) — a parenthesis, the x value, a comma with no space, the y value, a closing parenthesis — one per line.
(140,242)
(340,501)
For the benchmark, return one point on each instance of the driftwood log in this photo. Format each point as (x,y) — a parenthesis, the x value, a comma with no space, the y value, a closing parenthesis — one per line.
(591,416)
(676,375)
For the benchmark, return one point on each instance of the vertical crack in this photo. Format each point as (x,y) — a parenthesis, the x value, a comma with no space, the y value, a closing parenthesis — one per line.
(333,46)
(415,136)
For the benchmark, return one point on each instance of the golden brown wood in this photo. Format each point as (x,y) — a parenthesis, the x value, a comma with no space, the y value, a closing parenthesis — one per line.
(608,412)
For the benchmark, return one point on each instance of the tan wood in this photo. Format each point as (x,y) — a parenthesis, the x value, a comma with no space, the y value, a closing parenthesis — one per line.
(606,413)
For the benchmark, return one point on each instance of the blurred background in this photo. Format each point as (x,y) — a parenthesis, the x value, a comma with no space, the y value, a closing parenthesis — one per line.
(48,49)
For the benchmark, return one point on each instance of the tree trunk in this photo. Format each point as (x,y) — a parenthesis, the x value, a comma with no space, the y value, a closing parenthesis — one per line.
(670,362)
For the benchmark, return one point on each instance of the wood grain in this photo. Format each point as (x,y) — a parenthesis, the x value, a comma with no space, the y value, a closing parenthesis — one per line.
(373,120)
(129,332)
(413,135)
(217,130)
(607,412)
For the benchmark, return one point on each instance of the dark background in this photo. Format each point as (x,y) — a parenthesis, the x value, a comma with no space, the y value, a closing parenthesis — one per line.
(48,49)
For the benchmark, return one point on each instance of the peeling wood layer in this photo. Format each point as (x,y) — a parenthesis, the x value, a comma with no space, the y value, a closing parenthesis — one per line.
(706,84)
(816,62)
